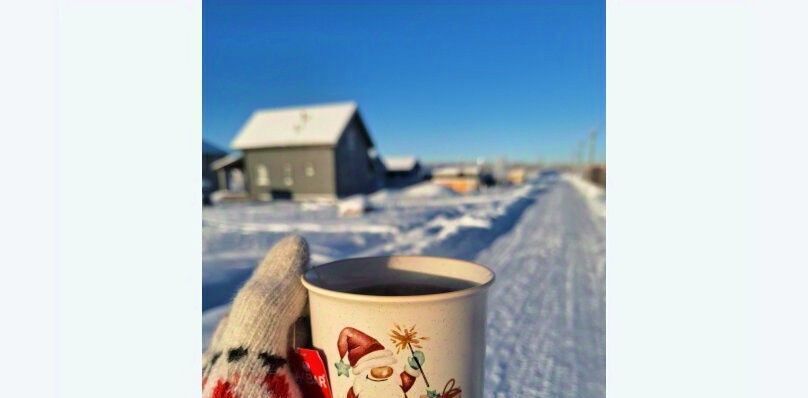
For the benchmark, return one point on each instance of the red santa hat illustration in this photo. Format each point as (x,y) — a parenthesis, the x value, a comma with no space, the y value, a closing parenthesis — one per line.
(364,352)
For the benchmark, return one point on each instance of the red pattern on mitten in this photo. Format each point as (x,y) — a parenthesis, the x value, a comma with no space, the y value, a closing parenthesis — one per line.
(222,390)
(277,385)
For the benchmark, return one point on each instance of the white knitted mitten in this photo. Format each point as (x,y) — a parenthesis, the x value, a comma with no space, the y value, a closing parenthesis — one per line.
(247,357)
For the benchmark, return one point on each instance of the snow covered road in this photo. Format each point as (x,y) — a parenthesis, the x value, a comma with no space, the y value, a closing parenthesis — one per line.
(546,321)
(545,241)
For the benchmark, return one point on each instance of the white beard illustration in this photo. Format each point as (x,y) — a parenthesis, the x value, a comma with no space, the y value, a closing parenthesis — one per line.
(364,387)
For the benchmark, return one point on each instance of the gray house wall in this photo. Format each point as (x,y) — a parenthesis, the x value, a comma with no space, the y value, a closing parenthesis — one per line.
(355,170)
(296,159)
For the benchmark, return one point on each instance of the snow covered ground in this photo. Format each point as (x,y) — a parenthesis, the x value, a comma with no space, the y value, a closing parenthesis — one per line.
(421,219)
(545,241)
(546,325)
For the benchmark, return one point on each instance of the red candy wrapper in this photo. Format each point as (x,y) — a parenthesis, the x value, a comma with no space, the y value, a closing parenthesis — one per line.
(311,373)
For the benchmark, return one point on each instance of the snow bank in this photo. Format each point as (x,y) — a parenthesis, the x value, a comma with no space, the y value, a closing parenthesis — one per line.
(595,195)
(455,223)
(382,195)
(427,190)
(449,227)
(353,206)
(224,196)
(424,190)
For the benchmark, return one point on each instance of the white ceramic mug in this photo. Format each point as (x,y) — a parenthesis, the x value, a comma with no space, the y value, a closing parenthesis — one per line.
(400,326)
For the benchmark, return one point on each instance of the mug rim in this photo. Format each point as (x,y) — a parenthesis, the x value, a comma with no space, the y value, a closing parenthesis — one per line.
(478,287)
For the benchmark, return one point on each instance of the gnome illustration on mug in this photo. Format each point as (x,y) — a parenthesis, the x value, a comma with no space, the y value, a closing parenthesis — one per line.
(372,366)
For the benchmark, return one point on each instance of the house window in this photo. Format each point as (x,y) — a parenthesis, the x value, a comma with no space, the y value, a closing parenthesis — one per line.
(309,169)
(261,175)
(288,178)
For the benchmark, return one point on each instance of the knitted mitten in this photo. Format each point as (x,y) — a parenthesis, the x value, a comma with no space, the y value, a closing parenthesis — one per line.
(248,351)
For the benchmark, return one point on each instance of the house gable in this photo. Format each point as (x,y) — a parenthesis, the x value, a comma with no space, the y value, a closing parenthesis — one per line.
(356,169)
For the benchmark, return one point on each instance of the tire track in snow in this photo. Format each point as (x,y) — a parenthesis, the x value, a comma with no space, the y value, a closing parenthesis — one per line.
(547,308)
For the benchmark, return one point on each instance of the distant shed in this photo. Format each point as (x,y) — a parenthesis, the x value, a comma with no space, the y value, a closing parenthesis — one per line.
(461,179)
(402,170)
(517,175)
(228,169)
(210,153)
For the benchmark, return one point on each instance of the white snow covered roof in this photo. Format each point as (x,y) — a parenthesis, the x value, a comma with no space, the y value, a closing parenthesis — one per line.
(295,126)
(456,171)
(446,172)
(399,163)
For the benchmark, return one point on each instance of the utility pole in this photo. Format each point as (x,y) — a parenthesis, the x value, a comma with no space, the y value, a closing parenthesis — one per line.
(581,145)
(593,135)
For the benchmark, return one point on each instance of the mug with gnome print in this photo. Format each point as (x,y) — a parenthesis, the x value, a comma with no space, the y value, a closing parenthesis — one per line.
(400,326)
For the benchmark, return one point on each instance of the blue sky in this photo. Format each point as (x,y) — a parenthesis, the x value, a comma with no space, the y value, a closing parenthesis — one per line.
(443,81)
